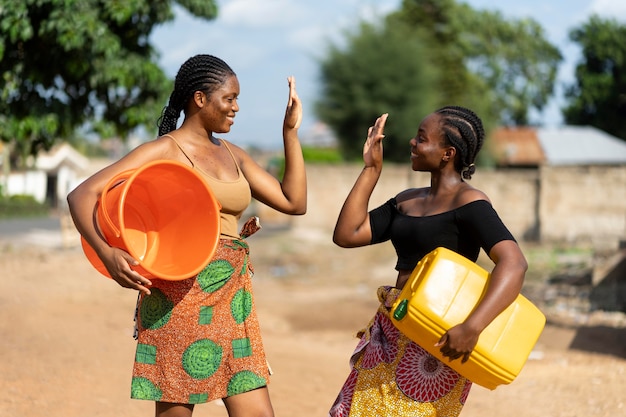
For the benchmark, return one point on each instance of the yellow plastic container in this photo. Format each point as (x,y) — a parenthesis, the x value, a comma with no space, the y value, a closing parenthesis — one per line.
(442,291)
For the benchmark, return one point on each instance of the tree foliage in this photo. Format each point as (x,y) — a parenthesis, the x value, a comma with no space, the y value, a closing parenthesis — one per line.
(432,53)
(67,63)
(515,60)
(598,96)
(381,69)
(481,52)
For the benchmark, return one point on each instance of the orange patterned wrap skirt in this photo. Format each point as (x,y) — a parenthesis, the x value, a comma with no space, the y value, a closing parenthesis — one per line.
(199,339)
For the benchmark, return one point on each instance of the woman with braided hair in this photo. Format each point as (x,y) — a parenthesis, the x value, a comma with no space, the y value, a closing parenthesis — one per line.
(199,338)
(390,374)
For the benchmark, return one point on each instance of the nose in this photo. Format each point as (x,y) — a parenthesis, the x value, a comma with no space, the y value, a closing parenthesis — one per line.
(235,106)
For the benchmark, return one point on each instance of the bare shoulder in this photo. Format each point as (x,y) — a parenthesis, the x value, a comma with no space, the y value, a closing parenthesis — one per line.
(161,147)
(411,193)
(469,194)
(235,149)
(240,154)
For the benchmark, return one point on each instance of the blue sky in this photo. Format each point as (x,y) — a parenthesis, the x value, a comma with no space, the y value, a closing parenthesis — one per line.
(265,41)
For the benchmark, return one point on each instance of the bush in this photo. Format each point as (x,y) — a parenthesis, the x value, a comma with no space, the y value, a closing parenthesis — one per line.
(21,206)
(321,155)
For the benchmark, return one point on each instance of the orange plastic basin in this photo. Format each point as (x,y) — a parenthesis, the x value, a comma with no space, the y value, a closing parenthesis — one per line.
(164,215)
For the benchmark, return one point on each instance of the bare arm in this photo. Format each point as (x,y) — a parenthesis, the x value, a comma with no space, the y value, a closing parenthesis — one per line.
(82,202)
(290,195)
(353,228)
(504,286)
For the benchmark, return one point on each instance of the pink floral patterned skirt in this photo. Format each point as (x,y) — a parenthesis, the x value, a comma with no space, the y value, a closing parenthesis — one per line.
(393,376)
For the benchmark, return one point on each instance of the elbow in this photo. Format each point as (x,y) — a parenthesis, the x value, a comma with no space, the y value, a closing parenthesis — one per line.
(71,198)
(519,269)
(341,240)
(337,239)
(522,265)
(298,210)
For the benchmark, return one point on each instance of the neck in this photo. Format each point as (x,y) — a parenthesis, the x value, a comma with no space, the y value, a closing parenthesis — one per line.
(442,183)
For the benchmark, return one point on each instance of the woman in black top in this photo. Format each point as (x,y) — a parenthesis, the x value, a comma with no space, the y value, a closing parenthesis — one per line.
(390,374)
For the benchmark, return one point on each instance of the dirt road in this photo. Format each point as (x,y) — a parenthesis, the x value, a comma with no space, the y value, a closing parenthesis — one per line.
(66,348)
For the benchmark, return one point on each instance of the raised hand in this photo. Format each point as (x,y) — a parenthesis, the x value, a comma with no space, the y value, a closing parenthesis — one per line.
(293,114)
(373,147)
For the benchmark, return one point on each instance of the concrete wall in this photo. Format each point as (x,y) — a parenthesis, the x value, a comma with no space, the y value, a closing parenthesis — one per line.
(553,204)
(28,183)
(583,203)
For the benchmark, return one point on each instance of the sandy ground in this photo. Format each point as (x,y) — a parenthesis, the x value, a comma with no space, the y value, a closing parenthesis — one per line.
(66,346)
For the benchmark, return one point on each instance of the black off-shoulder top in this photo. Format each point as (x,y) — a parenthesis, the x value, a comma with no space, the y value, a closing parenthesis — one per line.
(464,230)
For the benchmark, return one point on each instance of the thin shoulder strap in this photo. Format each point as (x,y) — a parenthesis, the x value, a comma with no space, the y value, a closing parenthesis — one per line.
(181,149)
(231,154)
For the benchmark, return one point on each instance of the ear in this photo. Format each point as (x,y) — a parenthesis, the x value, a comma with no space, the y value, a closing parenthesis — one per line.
(449,154)
(199,98)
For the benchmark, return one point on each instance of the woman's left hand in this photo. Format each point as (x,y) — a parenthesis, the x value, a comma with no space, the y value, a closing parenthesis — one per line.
(458,342)
(293,114)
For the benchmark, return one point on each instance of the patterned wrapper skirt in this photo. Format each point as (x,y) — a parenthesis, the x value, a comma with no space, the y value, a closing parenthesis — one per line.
(393,376)
(199,339)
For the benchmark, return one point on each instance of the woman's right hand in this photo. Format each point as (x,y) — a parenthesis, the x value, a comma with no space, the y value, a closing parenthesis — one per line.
(119,264)
(373,147)
(293,114)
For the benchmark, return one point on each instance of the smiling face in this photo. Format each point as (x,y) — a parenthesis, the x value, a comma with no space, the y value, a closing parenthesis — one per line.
(221,106)
(427,147)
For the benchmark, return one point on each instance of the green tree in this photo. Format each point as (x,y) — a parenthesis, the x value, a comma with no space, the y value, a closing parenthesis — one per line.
(480,52)
(598,96)
(68,63)
(381,69)
(514,59)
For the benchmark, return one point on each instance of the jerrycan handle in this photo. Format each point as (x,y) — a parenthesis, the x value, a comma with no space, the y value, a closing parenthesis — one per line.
(113,182)
(418,272)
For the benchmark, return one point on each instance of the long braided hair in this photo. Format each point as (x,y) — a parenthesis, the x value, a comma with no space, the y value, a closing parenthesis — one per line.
(464,130)
(199,73)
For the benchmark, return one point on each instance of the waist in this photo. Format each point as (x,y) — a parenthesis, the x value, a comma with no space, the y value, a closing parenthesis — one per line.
(229,228)
(403,277)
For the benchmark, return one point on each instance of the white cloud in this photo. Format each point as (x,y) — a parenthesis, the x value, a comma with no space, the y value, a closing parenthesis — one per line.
(609,8)
(262,13)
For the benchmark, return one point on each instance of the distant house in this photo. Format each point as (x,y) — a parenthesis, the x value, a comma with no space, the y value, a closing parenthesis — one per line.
(319,135)
(579,175)
(558,146)
(54,174)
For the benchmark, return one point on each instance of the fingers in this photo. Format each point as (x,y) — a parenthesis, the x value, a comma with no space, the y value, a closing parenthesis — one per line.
(129,278)
(293,117)
(292,85)
(293,95)
(449,352)
(442,341)
(452,354)
(376,132)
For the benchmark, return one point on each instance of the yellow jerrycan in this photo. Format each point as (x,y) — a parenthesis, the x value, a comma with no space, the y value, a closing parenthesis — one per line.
(441,292)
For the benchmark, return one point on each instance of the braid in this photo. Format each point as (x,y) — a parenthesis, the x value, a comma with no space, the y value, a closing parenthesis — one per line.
(464,130)
(199,73)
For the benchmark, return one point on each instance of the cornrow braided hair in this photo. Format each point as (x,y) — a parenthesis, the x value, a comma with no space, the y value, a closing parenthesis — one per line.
(199,73)
(464,130)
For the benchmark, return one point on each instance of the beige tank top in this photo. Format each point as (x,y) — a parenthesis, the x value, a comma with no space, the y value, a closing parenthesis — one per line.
(234,196)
